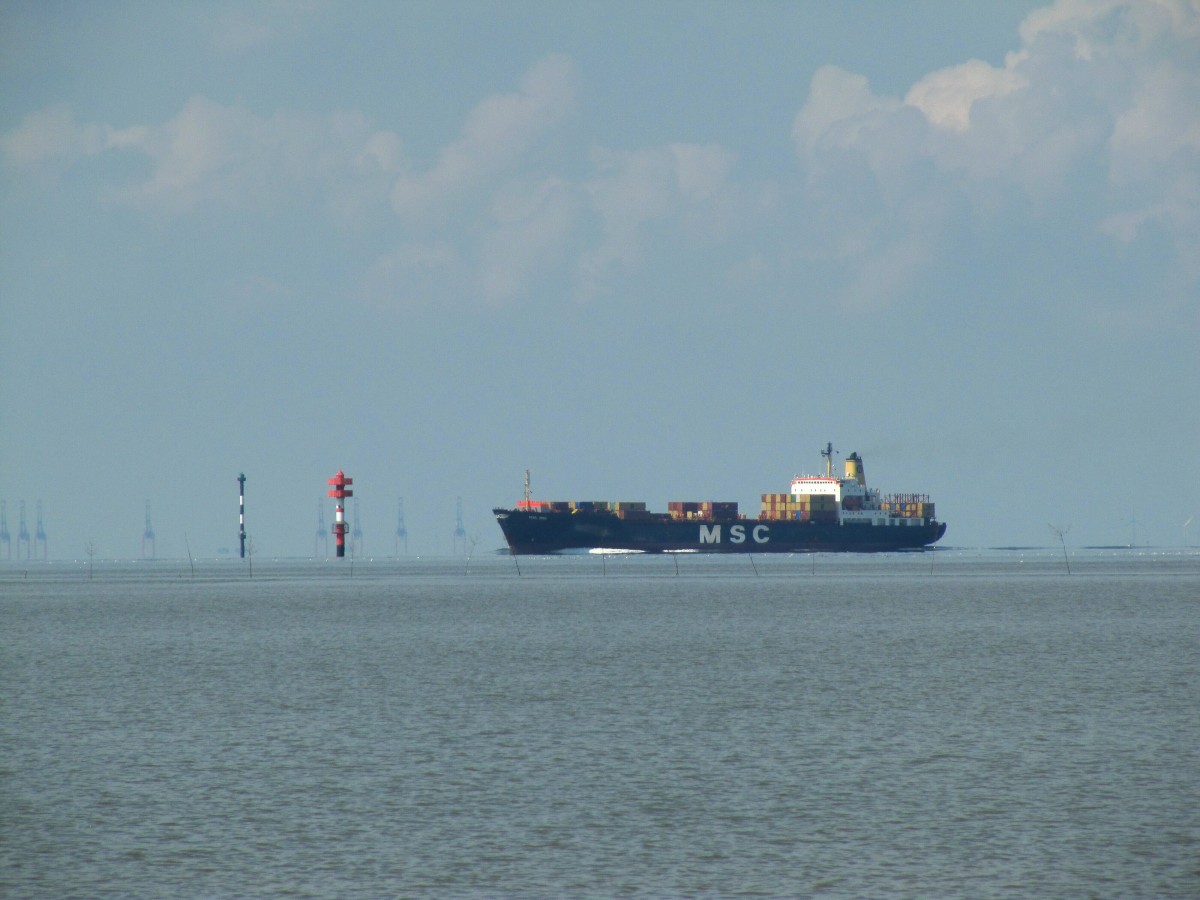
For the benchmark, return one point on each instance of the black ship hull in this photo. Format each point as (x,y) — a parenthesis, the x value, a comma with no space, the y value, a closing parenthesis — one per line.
(540,532)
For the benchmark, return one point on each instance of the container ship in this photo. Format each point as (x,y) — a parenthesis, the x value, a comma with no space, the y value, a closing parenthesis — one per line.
(821,513)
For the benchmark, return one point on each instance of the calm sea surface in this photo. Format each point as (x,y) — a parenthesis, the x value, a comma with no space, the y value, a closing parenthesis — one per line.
(951,724)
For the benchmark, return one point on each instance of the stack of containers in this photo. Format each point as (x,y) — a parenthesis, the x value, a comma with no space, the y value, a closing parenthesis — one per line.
(704,510)
(683,509)
(629,509)
(773,505)
(802,507)
(589,505)
(724,509)
(909,506)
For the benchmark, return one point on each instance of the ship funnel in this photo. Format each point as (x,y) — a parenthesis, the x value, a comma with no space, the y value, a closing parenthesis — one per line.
(854,469)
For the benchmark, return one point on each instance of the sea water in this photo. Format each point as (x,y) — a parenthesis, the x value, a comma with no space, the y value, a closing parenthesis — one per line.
(950,724)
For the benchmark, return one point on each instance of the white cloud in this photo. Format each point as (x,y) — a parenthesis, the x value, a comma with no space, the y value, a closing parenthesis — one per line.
(1071,20)
(530,224)
(840,108)
(210,153)
(527,220)
(1150,132)
(383,152)
(946,96)
(1099,29)
(495,137)
(632,189)
(1093,117)
(1097,111)
(700,171)
(52,136)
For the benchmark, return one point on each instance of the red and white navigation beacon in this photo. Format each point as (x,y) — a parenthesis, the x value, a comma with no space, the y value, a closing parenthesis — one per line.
(337,490)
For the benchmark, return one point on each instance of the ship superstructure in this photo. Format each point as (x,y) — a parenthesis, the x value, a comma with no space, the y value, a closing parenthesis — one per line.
(818,513)
(848,500)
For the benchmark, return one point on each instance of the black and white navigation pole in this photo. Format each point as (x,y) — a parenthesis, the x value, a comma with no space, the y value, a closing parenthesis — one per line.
(242,512)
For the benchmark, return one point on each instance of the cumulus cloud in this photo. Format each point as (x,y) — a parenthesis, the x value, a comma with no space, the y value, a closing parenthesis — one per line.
(1098,110)
(227,155)
(700,171)
(541,226)
(530,222)
(495,137)
(1091,123)
(946,96)
(841,109)
(632,189)
(210,153)
(525,217)
(1150,133)
(53,137)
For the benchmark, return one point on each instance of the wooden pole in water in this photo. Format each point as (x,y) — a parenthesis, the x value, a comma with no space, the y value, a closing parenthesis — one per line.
(1060,532)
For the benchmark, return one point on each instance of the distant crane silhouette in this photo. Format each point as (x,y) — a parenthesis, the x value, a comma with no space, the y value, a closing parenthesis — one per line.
(401,531)
(460,533)
(1184,526)
(322,538)
(356,536)
(22,534)
(5,537)
(39,535)
(148,537)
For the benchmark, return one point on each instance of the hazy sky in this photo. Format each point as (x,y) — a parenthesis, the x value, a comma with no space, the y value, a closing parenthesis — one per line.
(651,251)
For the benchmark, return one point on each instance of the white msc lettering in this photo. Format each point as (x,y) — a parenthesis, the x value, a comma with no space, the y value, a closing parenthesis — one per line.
(737,534)
(710,534)
(761,534)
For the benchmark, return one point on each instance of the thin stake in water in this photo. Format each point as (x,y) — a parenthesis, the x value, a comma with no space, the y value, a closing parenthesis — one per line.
(1060,532)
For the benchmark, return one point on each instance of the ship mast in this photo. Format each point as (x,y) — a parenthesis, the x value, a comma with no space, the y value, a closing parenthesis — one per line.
(828,454)
(527,489)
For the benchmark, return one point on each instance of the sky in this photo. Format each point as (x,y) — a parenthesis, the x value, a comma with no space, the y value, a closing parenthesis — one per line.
(648,251)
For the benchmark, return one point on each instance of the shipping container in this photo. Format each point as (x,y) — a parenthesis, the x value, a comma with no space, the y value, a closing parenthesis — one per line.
(638,515)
